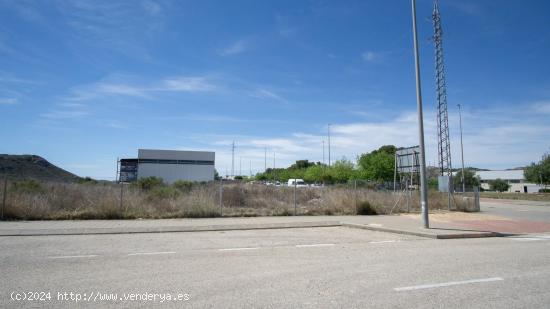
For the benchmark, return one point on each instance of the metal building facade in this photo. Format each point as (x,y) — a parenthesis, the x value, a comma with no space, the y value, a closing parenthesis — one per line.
(170,165)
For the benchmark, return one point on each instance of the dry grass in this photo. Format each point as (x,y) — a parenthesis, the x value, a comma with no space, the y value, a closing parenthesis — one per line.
(56,201)
(540,197)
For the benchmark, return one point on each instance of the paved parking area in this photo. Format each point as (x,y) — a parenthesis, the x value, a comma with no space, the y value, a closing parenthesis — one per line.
(331,267)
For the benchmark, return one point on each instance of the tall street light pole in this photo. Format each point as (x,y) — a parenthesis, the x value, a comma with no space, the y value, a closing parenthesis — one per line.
(323,152)
(423,188)
(233,159)
(461,148)
(328,131)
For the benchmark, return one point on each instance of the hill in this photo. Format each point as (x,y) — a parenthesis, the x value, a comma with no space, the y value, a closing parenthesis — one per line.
(21,167)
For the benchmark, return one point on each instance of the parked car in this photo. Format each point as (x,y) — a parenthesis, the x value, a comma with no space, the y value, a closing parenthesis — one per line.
(297,182)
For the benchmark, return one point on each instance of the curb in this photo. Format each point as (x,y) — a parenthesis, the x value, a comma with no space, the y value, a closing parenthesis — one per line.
(170,229)
(238,227)
(421,234)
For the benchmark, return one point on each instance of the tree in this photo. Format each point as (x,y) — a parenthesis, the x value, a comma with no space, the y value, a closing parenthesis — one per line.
(538,171)
(314,173)
(379,164)
(341,171)
(470,179)
(301,164)
(499,185)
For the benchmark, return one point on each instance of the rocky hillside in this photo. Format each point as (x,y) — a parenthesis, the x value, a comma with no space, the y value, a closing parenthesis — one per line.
(20,167)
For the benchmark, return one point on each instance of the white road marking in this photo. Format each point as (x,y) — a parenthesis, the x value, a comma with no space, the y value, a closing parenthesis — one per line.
(381,242)
(438,285)
(374,224)
(239,249)
(314,245)
(151,253)
(528,239)
(532,238)
(72,256)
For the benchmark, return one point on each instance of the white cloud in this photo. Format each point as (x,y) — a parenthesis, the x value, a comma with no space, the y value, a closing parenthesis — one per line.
(123,86)
(502,143)
(267,94)
(237,47)
(120,89)
(186,84)
(64,114)
(370,56)
(8,101)
(151,7)
(542,107)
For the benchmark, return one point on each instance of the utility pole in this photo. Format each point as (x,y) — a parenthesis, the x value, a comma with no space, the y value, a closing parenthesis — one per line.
(328,131)
(117,172)
(461,148)
(443,139)
(274,174)
(323,152)
(265,160)
(233,159)
(250,167)
(423,188)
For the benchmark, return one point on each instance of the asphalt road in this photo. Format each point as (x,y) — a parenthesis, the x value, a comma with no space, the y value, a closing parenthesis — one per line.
(288,268)
(517,209)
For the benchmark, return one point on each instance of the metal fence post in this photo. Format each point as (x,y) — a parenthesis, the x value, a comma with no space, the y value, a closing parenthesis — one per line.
(221,197)
(355,194)
(295,183)
(121,190)
(4,196)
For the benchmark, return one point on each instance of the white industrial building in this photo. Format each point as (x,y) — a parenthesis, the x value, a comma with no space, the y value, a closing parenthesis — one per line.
(170,165)
(514,178)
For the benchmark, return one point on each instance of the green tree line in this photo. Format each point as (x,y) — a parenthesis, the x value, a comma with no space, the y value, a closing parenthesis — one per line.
(377,165)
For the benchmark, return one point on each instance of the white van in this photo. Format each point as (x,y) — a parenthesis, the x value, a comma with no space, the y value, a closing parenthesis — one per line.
(298,182)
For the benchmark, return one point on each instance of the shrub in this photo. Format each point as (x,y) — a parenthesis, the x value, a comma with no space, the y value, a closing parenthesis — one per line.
(148,183)
(27,186)
(183,186)
(544,191)
(161,193)
(365,208)
(201,211)
(499,185)
(87,180)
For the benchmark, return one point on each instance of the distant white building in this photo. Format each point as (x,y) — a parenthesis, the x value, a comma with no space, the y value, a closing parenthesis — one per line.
(514,178)
(170,165)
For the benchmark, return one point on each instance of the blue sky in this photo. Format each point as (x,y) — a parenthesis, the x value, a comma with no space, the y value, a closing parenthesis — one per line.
(85,82)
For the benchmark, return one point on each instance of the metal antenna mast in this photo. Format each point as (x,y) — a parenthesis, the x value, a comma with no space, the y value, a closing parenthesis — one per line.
(443,140)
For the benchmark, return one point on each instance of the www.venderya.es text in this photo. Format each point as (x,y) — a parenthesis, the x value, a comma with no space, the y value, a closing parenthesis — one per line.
(96,296)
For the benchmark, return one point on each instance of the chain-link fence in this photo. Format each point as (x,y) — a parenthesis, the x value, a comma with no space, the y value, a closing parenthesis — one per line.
(33,200)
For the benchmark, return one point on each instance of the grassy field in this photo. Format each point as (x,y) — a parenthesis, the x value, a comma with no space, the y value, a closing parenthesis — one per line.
(542,197)
(59,201)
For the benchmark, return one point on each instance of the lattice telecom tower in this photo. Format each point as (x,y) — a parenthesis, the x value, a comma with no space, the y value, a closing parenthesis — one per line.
(443,141)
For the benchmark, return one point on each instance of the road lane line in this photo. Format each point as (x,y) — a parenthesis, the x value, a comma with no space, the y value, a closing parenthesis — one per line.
(438,285)
(528,239)
(239,249)
(381,242)
(72,256)
(314,245)
(151,253)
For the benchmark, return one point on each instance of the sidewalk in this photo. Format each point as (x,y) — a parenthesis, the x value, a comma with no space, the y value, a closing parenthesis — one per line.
(402,224)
